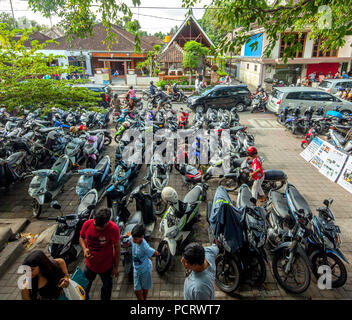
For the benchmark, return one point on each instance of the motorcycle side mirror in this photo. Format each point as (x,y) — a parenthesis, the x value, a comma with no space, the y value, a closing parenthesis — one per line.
(55,204)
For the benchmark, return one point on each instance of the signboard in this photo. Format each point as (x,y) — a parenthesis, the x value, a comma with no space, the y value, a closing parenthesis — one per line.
(321,155)
(345,179)
(333,163)
(312,148)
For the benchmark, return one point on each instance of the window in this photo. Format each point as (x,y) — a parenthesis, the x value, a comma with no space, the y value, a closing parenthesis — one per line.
(297,38)
(255,68)
(294,95)
(323,96)
(318,52)
(247,65)
(325,84)
(238,90)
(219,93)
(277,94)
(306,96)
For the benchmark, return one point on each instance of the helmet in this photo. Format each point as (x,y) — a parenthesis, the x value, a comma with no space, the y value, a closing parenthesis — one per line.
(252,150)
(261,90)
(259,85)
(151,82)
(169,195)
(281,82)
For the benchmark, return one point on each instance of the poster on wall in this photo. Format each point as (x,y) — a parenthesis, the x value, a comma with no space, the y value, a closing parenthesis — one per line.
(321,155)
(345,179)
(308,153)
(333,164)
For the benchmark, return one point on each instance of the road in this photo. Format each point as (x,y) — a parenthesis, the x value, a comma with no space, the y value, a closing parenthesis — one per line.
(279,149)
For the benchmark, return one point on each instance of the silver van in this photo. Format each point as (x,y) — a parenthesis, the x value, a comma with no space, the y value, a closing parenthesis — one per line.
(305,97)
(331,85)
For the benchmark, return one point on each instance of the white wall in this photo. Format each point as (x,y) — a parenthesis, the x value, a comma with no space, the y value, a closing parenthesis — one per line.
(250,76)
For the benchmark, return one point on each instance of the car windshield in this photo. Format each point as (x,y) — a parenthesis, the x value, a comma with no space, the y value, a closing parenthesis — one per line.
(205,91)
(325,84)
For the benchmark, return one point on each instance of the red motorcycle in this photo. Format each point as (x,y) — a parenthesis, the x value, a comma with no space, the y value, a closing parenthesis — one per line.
(308,138)
(183,120)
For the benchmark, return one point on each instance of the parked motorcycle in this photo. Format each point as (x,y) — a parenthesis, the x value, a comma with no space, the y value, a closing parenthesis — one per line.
(177,222)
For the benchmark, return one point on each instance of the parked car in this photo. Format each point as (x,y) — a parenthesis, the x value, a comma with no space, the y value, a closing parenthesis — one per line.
(305,97)
(221,96)
(331,85)
(105,90)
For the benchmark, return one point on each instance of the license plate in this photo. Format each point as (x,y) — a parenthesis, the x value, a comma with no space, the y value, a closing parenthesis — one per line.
(56,239)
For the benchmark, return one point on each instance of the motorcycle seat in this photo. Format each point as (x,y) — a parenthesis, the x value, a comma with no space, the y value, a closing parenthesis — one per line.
(102,164)
(297,200)
(46,130)
(191,170)
(237,128)
(238,162)
(42,122)
(280,204)
(193,195)
(245,195)
(134,220)
(94,132)
(274,175)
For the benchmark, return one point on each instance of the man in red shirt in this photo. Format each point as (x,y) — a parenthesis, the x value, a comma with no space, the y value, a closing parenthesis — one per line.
(257,174)
(100,241)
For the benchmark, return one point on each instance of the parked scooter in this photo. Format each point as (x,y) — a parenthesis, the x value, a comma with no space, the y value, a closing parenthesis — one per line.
(177,222)
(64,243)
(97,178)
(47,183)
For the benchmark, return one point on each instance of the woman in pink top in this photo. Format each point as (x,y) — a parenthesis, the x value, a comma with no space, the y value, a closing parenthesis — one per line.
(131,94)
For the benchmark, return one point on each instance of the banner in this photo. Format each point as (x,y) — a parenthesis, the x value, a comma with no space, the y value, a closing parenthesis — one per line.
(333,164)
(345,179)
(308,153)
(321,155)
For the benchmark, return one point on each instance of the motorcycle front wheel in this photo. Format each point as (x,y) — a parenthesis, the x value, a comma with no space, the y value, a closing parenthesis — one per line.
(36,209)
(338,269)
(107,141)
(298,279)
(228,275)
(228,183)
(159,206)
(163,260)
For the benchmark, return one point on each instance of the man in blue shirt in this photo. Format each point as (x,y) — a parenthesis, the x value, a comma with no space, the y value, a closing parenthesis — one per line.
(142,265)
(344,75)
(199,285)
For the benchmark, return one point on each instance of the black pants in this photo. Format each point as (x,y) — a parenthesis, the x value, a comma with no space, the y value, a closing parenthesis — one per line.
(106,278)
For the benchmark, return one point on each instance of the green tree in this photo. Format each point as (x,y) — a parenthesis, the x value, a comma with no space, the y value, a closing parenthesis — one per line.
(194,56)
(212,28)
(277,17)
(21,22)
(22,70)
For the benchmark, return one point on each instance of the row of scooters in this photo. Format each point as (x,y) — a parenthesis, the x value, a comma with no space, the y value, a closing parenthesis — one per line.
(48,151)
(335,125)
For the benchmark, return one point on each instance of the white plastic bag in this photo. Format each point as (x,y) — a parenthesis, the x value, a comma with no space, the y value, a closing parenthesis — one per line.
(74,291)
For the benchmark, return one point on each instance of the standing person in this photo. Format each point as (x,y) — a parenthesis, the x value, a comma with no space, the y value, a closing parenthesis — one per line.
(49,276)
(100,241)
(298,81)
(131,94)
(312,76)
(337,75)
(115,103)
(329,75)
(257,174)
(196,84)
(321,77)
(152,88)
(228,79)
(344,75)
(199,285)
(142,265)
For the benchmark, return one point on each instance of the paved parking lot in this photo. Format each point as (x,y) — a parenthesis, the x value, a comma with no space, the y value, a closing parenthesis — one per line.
(280,150)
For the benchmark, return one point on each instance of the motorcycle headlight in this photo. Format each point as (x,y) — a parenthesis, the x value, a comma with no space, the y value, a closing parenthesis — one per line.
(172,233)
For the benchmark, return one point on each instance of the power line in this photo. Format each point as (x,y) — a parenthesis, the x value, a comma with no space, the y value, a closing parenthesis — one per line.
(147,15)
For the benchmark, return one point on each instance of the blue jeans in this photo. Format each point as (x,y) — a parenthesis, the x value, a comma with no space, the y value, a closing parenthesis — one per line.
(106,278)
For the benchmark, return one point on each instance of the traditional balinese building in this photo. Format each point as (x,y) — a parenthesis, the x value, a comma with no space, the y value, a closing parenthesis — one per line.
(172,55)
(95,57)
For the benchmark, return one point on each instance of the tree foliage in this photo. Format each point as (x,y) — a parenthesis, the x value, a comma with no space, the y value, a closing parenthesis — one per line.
(21,72)
(279,18)
(21,22)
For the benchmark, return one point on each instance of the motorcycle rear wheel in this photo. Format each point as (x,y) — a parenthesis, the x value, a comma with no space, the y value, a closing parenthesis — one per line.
(107,141)
(164,258)
(228,183)
(228,274)
(279,261)
(337,281)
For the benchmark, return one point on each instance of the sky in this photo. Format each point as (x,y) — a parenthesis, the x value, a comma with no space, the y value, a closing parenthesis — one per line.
(149,24)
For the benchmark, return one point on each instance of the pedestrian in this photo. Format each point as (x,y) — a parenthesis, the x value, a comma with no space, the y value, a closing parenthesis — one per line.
(199,285)
(100,241)
(196,84)
(48,277)
(257,173)
(312,76)
(337,75)
(344,75)
(131,94)
(115,103)
(142,265)
(298,81)
(321,77)
(228,79)
(329,75)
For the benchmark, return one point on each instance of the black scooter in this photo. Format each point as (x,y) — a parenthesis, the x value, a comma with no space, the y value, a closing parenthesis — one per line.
(65,241)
